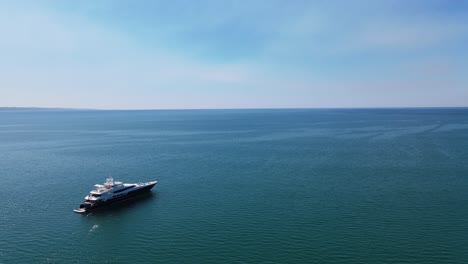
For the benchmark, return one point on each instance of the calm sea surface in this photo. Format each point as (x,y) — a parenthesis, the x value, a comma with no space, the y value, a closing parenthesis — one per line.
(237,186)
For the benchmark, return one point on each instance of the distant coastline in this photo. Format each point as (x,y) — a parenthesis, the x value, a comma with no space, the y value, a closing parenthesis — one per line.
(39,109)
(44,109)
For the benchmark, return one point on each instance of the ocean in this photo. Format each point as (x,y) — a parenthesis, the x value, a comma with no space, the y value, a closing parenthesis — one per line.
(237,186)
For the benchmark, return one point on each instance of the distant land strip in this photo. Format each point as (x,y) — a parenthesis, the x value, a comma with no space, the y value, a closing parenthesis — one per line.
(40,109)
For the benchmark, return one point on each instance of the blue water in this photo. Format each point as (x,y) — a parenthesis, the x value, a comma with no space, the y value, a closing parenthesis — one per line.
(237,186)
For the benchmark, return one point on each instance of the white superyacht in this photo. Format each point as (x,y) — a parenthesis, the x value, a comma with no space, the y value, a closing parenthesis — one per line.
(112,192)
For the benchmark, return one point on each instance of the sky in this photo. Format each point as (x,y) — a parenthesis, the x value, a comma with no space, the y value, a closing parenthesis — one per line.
(115,54)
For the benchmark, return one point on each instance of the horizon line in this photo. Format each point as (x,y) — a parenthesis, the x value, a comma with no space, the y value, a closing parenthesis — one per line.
(234,108)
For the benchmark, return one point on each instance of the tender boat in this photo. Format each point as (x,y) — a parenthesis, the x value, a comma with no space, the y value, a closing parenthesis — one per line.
(112,192)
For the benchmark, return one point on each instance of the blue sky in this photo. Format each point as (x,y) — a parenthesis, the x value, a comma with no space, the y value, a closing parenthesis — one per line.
(113,54)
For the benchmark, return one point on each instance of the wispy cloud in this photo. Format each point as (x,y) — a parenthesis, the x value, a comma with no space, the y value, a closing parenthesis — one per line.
(419,34)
